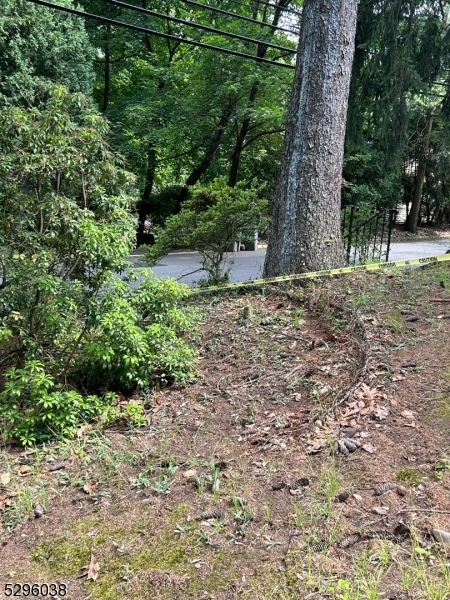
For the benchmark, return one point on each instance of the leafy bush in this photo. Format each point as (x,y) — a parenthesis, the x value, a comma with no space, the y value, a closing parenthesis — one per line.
(136,340)
(72,320)
(210,221)
(35,409)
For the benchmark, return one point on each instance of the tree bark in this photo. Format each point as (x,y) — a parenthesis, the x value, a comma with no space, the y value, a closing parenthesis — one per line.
(413,217)
(306,228)
(107,71)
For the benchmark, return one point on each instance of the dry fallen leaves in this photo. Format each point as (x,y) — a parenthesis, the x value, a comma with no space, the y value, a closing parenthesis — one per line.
(5,478)
(410,416)
(91,570)
(83,430)
(189,474)
(369,394)
(364,404)
(24,470)
(89,486)
(368,448)
(321,435)
(316,444)
(380,510)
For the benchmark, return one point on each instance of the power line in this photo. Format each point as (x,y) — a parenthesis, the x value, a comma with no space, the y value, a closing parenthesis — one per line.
(236,36)
(232,14)
(262,23)
(275,6)
(168,36)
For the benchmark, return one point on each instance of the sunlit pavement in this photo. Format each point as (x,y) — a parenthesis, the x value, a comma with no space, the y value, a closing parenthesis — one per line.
(186,266)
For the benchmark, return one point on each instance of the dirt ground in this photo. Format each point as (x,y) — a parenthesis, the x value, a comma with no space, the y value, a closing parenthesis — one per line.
(399,234)
(310,459)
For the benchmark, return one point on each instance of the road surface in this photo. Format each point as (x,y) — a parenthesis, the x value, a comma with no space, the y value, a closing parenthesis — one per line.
(185,266)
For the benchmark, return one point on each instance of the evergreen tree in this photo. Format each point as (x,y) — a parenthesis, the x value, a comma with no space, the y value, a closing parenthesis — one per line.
(305,233)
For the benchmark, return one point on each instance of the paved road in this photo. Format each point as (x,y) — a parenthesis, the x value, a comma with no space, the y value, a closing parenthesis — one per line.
(249,265)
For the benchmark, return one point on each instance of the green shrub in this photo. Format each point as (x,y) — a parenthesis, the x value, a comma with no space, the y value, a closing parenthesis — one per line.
(136,339)
(211,220)
(73,320)
(34,409)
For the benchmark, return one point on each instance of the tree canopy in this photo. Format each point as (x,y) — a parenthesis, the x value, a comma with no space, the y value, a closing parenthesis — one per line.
(39,45)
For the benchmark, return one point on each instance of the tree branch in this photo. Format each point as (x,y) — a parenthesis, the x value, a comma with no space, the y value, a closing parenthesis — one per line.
(3,284)
(162,160)
(258,135)
(442,10)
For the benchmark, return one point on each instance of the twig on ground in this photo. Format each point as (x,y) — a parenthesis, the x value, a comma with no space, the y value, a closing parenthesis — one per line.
(403,511)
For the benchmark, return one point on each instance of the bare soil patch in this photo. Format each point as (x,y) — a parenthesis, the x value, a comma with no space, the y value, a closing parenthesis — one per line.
(400,235)
(262,479)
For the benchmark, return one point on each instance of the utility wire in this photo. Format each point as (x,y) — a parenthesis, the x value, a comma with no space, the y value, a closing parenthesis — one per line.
(262,23)
(236,36)
(234,15)
(167,36)
(275,6)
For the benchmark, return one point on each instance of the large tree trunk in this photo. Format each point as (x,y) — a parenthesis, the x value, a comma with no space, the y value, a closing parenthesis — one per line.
(306,227)
(413,217)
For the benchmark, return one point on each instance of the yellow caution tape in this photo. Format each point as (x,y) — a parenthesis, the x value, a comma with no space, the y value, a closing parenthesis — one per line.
(328,273)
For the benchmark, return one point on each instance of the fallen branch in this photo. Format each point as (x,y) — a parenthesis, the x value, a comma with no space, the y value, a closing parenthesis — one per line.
(404,511)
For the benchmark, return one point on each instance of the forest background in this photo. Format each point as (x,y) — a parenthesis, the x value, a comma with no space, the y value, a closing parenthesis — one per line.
(283,442)
(182,115)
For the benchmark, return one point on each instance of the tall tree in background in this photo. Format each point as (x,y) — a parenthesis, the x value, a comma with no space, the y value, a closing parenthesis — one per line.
(39,45)
(400,72)
(181,115)
(306,227)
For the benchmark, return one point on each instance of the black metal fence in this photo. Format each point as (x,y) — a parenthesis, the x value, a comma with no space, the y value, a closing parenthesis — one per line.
(367,239)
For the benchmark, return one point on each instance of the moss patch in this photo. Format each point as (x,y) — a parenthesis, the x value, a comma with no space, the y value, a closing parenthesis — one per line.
(145,560)
(411,476)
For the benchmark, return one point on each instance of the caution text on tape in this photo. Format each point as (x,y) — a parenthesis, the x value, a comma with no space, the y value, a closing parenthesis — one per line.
(327,273)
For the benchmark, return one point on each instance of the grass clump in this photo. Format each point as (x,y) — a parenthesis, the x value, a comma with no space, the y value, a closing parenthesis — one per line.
(410,476)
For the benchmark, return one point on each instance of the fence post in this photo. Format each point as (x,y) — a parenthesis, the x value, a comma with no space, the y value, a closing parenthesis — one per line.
(392,214)
(350,231)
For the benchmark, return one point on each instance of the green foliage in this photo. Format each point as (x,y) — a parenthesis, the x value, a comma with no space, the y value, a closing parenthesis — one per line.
(178,112)
(34,409)
(135,341)
(441,467)
(39,45)
(68,322)
(212,219)
(367,182)
(400,70)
